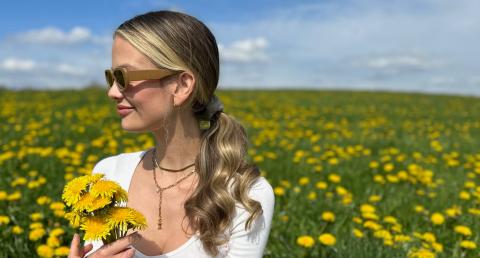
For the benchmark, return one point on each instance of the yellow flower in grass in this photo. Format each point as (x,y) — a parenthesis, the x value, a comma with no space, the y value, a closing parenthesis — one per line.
(36,234)
(279,191)
(328,216)
(57,232)
(36,216)
(305,241)
(45,251)
(53,241)
(4,220)
(124,218)
(367,208)
(463,230)
(36,225)
(95,228)
(357,233)
(62,251)
(327,239)
(437,247)
(421,253)
(437,218)
(17,230)
(57,206)
(467,244)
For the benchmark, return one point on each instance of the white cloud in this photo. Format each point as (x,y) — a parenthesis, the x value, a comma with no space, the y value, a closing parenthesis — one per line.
(14,64)
(245,51)
(54,36)
(70,70)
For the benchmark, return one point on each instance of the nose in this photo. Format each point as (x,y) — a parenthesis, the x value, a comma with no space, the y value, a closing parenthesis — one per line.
(114,92)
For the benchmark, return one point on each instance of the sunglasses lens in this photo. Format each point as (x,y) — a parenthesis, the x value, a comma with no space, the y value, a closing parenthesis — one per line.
(109,78)
(120,80)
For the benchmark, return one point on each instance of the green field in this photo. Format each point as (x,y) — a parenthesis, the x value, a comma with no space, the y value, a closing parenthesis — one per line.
(385,174)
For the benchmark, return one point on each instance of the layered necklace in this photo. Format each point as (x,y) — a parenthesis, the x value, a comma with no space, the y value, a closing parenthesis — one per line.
(161,189)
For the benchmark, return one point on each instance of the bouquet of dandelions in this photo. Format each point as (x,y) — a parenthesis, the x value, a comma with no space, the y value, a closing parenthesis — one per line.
(94,207)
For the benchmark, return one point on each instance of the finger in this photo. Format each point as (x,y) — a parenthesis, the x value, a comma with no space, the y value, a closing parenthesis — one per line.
(87,248)
(127,253)
(75,246)
(120,244)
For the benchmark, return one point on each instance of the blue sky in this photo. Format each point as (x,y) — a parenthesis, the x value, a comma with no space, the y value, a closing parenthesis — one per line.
(408,45)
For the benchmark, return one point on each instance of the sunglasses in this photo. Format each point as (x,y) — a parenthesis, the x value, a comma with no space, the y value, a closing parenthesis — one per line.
(124,77)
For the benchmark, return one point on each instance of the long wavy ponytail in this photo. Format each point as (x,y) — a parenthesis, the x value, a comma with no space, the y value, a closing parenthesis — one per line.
(178,41)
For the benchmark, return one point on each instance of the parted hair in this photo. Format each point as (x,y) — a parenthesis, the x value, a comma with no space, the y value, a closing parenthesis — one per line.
(178,41)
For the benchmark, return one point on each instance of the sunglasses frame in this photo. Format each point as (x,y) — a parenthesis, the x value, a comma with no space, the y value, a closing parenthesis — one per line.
(135,75)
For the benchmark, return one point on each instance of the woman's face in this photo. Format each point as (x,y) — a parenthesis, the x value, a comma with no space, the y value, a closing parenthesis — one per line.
(151,100)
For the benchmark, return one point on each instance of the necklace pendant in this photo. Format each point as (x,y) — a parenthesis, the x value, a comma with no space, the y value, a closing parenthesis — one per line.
(158,190)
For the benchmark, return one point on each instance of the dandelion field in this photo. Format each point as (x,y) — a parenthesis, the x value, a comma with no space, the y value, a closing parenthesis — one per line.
(355,174)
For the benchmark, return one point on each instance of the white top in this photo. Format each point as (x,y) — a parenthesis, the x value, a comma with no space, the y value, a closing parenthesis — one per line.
(251,243)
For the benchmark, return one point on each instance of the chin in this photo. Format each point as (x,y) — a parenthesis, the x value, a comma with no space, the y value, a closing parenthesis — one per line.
(133,127)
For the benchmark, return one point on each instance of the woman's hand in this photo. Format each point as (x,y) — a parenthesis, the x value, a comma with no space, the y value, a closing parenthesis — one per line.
(118,249)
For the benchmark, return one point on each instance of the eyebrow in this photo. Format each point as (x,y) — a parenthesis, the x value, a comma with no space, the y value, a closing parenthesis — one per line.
(126,66)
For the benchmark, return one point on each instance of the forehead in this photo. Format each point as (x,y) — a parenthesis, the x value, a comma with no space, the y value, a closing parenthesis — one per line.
(126,55)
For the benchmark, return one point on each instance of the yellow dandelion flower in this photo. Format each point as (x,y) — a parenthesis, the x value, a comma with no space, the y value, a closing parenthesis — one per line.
(327,239)
(45,251)
(303,180)
(72,192)
(467,244)
(119,217)
(429,237)
(421,253)
(4,220)
(89,203)
(328,216)
(36,216)
(138,220)
(36,225)
(104,188)
(120,196)
(95,228)
(367,208)
(53,241)
(57,206)
(57,232)
(280,191)
(17,230)
(334,178)
(305,241)
(464,230)
(357,233)
(74,218)
(321,185)
(437,218)
(43,200)
(36,234)
(62,251)
(437,247)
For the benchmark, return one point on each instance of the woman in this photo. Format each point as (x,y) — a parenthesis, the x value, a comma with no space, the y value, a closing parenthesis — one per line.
(199,195)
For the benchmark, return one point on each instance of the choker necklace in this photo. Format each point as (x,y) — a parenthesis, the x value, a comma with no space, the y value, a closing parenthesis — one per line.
(161,189)
(168,169)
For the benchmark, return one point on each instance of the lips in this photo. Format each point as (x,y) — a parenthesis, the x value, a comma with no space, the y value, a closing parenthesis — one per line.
(124,110)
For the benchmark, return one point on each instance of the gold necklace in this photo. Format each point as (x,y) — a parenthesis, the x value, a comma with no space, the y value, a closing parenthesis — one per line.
(161,189)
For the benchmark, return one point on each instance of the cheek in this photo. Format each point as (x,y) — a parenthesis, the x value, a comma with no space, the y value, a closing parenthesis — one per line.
(152,105)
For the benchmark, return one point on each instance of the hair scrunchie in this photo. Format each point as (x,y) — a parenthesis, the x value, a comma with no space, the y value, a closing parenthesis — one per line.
(209,113)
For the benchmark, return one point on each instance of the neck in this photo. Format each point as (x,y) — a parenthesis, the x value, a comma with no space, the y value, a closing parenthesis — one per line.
(180,146)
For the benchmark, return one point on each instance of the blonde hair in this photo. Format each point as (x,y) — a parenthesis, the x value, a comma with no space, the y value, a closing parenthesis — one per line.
(178,41)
